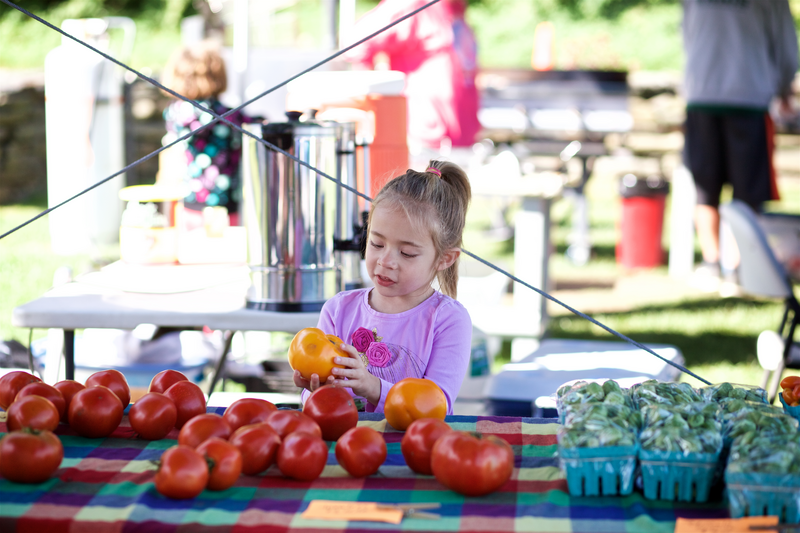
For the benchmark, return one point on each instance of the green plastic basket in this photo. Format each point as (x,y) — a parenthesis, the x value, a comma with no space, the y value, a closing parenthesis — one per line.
(677,476)
(753,494)
(605,471)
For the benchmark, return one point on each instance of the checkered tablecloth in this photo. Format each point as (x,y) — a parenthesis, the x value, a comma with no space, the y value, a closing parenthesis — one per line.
(106,485)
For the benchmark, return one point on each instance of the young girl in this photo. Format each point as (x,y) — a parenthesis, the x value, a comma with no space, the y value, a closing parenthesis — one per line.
(212,155)
(403,327)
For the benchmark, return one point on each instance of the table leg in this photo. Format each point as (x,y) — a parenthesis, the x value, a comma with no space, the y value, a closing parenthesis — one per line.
(221,361)
(69,354)
(580,248)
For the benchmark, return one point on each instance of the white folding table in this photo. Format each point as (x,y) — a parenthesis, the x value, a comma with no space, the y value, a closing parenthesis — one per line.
(180,296)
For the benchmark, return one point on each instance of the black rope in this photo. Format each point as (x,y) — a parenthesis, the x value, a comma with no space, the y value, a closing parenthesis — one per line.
(585,316)
(218,118)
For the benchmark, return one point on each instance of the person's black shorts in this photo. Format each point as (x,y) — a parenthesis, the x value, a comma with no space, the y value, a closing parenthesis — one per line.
(728,147)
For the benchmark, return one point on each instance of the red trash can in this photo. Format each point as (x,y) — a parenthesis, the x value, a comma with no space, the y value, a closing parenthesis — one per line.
(642,221)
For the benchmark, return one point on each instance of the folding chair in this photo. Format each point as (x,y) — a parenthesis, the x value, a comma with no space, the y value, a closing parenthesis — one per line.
(760,274)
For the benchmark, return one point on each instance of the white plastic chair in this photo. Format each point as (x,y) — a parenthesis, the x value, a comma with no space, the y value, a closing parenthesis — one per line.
(760,274)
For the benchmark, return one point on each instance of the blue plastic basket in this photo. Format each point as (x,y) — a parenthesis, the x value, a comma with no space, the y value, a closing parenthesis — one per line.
(605,471)
(752,494)
(678,476)
(794,412)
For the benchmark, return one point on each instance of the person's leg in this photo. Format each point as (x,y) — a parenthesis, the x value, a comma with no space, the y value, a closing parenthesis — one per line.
(706,221)
(748,158)
(704,154)
(746,137)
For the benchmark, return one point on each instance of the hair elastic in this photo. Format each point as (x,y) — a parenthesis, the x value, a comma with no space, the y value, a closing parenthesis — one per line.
(434,170)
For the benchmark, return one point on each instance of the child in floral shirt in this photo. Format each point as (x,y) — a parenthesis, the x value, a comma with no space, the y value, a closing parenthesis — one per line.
(403,327)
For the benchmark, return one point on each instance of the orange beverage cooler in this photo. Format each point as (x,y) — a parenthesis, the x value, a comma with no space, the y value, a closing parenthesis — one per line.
(371,99)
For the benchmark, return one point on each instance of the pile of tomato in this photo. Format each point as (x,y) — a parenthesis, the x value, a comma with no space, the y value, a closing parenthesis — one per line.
(791,390)
(252,435)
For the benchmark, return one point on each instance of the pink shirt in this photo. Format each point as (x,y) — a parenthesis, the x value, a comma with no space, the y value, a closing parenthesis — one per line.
(431,341)
(438,52)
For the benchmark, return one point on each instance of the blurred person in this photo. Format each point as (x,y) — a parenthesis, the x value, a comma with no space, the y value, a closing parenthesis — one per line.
(436,49)
(211,157)
(740,54)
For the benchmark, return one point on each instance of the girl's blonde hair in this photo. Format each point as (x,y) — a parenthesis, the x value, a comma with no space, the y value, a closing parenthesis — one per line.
(196,72)
(437,199)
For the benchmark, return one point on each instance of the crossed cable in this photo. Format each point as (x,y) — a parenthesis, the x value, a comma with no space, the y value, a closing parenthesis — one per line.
(222,118)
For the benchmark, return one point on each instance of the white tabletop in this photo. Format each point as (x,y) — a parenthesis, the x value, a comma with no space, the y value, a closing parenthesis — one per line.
(122,297)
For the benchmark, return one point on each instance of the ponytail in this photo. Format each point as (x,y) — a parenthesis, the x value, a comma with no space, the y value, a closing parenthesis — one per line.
(438,198)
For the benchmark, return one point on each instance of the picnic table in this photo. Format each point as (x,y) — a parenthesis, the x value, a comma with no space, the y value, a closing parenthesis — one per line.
(106,485)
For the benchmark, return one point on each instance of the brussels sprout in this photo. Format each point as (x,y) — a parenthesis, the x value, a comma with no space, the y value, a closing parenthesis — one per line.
(597,424)
(611,386)
(688,428)
(722,391)
(761,421)
(764,453)
(653,392)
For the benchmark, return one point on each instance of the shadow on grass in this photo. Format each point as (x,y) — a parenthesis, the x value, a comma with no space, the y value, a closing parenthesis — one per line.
(707,347)
(608,251)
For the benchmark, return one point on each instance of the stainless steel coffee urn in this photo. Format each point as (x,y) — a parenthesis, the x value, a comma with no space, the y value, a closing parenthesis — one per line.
(348,235)
(289,212)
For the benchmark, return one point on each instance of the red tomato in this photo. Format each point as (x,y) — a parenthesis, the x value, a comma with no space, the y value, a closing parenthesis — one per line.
(202,427)
(788,396)
(418,442)
(95,412)
(790,382)
(246,411)
(45,391)
(114,380)
(68,388)
(188,398)
(153,416)
(165,379)
(333,409)
(471,464)
(182,473)
(287,421)
(224,460)
(32,412)
(302,456)
(10,385)
(30,456)
(258,444)
(361,451)
(796,392)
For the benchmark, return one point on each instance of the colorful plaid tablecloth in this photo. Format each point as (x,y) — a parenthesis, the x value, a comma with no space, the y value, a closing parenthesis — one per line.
(106,485)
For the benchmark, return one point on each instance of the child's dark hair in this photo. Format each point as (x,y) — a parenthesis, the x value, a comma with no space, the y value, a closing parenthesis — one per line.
(196,72)
(438,200)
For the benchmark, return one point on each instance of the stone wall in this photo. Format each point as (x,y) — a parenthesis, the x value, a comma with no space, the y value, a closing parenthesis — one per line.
(23,171)
(23,167)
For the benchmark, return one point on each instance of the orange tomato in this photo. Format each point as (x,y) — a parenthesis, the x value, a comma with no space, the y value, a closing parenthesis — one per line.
(788,396)
(411,399)
(790,382)
(312,352)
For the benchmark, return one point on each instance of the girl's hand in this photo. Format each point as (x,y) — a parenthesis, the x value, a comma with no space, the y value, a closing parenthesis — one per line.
(310,384)
(358,378)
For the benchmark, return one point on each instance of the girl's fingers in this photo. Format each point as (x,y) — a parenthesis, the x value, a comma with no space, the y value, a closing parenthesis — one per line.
(349,362)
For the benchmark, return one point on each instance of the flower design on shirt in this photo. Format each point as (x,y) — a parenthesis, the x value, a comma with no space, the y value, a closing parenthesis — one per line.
(362,338)
(378,354)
